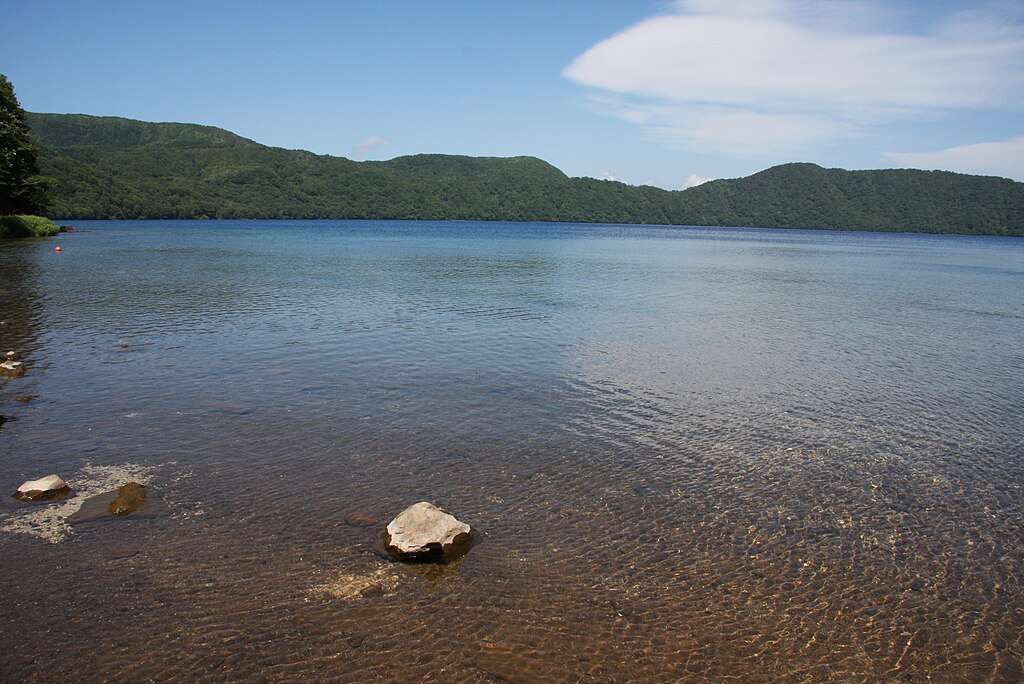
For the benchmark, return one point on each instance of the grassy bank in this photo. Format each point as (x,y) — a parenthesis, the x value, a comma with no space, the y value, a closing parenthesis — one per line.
(26,226)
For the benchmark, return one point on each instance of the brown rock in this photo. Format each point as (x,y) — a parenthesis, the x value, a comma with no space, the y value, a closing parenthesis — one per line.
(361,519)
(372,591)
(97,509)
(129,499)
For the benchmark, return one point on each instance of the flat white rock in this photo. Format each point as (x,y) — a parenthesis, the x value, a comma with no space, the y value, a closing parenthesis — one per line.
(425,532)
(36,489)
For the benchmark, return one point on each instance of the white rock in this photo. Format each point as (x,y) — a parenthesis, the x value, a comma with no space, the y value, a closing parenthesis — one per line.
(425,532)
(43,488)
(12,368)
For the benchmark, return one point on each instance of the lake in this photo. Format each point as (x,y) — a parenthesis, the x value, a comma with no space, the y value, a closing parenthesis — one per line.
(757,455)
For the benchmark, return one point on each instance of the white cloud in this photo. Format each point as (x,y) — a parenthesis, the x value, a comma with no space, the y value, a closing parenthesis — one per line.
(755,77)
(1004,158)
(608,176)
(695,179)
(369,145)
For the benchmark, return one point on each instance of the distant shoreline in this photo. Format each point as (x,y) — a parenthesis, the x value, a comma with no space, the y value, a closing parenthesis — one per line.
(114,168)
(663,226)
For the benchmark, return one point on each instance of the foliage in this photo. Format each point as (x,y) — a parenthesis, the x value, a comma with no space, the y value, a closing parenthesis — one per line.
(124,169)
(22,189)
(26,226)
(906,200)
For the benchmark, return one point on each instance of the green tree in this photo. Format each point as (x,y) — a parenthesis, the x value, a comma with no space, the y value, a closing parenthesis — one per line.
(22,189)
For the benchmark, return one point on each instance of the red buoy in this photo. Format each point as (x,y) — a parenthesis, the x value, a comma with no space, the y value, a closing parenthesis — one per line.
(56,249)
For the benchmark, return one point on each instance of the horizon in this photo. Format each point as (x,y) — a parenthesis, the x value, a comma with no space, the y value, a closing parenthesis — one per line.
(641,94)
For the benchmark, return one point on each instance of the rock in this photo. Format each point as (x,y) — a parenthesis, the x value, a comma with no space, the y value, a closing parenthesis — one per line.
(67,229)
(102,508)
(129,499)
(361,519)
(3,419)
(12,369)
(12,356)
(372,591)
(45,488)
(424,532)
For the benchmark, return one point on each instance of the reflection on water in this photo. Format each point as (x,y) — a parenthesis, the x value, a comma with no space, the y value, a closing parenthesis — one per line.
(20,296)
(692,454)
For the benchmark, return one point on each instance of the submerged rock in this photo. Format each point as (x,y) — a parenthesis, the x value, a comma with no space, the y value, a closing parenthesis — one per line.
(361,585)
(122,552)
(132,501)
(12,356)
(129,499)
(361,519)
(45,488)
(424,532)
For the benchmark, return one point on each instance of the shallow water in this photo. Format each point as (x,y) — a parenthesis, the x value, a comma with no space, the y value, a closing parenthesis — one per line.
(692,454)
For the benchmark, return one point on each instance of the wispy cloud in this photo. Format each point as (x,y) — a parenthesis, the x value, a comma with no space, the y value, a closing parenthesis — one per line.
(757,77)
(369,145)
(1002,158)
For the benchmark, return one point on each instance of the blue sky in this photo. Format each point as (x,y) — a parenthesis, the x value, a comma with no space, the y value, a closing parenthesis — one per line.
(663,93)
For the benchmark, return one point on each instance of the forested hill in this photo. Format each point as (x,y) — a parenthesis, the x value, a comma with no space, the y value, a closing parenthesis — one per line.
(110,167)
(807,195)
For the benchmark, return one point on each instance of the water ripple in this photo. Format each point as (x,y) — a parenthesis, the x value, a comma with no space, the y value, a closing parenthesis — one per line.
(692,454)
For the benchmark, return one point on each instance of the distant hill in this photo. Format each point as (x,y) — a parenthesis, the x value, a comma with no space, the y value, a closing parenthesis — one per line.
(117,168)
(806,195)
